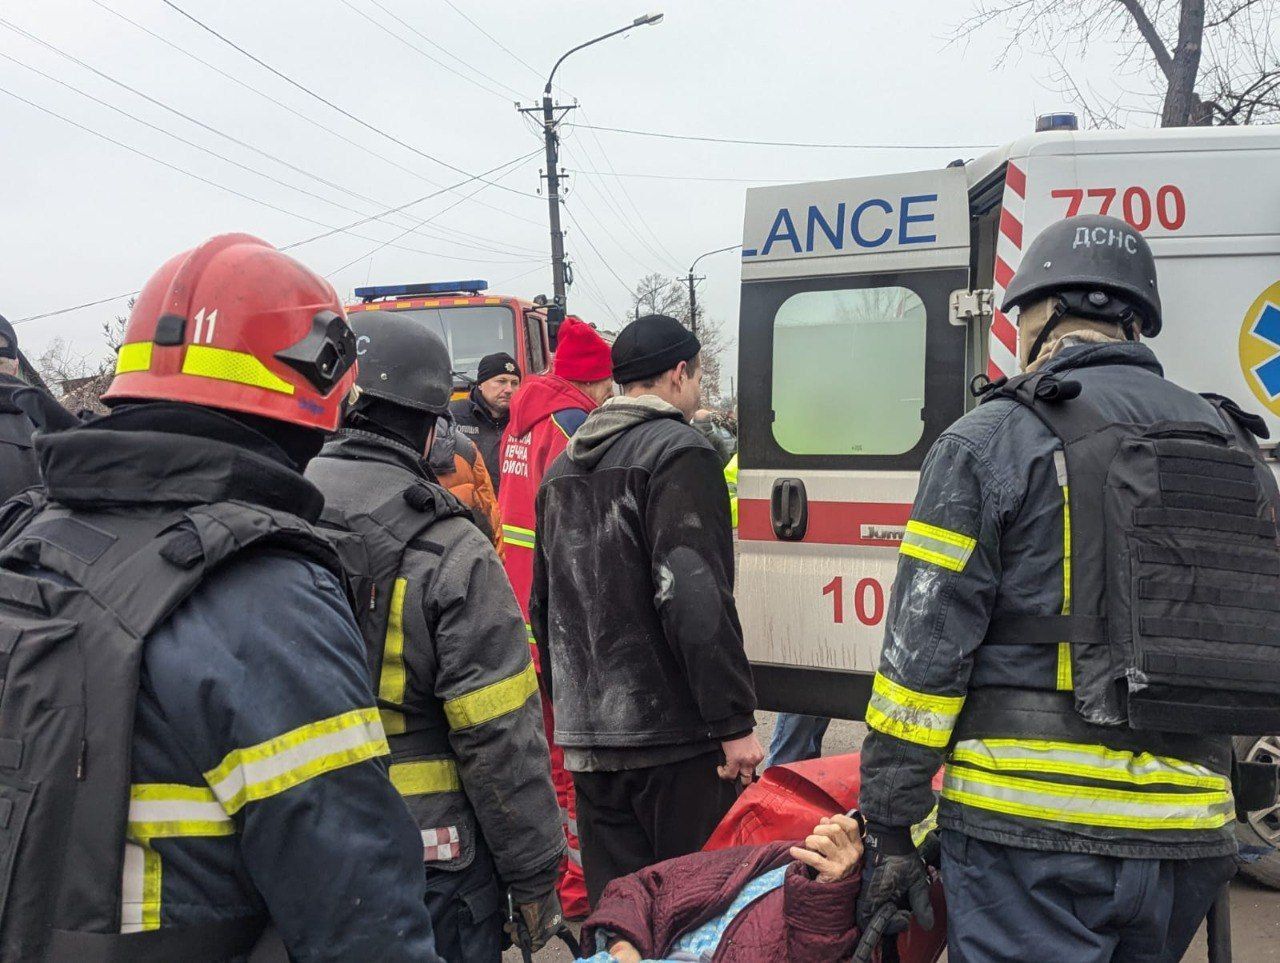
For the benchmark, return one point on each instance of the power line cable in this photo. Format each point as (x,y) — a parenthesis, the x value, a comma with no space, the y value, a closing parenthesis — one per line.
(778,143)
(332,230)
(501,46)
(444,50)
(688,177)
(591,244)
(212,153)
(365,148)
(440,213)
(613,204)
(627,195)
(329,103)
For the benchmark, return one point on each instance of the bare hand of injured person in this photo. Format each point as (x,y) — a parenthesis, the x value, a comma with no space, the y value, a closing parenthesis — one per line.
(833,849)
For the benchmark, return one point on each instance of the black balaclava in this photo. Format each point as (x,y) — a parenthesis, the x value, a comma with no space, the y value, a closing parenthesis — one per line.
(408,426)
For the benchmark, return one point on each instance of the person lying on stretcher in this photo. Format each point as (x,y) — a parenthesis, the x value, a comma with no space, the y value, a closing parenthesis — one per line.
(779,901)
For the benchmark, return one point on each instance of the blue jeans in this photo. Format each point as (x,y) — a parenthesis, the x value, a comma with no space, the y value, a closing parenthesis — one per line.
(796,738)
(1005,903)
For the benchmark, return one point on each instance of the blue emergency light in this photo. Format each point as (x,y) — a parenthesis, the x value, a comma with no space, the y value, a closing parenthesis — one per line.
(420,290)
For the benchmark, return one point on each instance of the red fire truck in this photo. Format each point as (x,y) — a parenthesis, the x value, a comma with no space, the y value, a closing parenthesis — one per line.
(472,322)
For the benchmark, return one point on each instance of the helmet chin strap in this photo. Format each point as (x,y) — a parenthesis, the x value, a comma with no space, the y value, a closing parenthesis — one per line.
(1090,305)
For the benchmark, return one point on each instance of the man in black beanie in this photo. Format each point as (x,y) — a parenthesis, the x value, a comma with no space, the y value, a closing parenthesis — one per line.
(18,469)
(632,608)
(483,415)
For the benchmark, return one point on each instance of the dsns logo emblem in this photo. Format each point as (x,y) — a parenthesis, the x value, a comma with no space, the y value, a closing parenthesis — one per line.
(1260,348)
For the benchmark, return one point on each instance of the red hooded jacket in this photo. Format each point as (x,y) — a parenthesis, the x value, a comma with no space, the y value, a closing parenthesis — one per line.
(545,413)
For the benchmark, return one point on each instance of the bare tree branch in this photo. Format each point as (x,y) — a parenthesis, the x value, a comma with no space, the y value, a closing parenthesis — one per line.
(1150,35)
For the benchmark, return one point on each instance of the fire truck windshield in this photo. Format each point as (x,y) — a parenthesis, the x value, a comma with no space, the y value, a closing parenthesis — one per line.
(471,332)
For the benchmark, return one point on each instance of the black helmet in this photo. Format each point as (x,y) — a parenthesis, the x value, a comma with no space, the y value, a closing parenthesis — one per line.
(402,361)
(1100,260)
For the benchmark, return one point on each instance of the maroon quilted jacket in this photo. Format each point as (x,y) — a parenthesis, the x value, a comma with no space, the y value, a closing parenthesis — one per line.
(802,922)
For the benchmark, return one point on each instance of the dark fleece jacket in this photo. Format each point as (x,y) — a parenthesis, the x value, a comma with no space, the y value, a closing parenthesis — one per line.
(803,921)
(632,600)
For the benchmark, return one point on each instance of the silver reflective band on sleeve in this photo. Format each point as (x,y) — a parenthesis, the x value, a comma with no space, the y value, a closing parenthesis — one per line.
(290,759)
(1087,805)
(920,717)
(937,546)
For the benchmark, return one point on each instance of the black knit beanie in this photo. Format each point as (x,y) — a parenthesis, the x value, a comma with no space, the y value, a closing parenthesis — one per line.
(651,345)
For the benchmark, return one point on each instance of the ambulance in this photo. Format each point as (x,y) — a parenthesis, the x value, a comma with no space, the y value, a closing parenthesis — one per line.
(472,322)
(869,309)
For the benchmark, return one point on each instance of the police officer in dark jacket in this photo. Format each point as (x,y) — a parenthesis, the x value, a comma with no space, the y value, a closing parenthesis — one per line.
(483,415)
(1066,834)
(632,608)
(18,469)
(232,776)
(451,662)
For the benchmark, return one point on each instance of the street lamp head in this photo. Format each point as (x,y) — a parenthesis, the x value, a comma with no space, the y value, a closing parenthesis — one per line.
(648,18)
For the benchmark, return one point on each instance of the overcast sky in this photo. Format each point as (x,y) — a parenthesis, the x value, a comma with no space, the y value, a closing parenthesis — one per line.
(85,218)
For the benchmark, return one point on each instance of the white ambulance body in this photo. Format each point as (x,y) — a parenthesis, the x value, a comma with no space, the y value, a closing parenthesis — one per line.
(866,312)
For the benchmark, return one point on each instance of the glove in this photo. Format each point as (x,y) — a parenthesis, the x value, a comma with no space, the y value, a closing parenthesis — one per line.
(893,874)
(530,926)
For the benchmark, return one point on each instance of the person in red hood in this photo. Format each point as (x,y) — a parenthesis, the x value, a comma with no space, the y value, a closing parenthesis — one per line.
(545,413)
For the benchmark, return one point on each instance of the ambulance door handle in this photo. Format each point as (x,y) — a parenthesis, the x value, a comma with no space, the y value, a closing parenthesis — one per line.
(789,509)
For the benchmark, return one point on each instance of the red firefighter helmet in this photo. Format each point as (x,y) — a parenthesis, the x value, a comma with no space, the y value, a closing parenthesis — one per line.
(236,324)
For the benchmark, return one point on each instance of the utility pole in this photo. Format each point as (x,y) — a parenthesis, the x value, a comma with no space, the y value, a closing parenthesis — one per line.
(550,121)
(693,300)
(694,279)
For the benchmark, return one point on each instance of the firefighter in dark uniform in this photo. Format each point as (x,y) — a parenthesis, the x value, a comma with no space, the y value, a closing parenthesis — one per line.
(447,645)
(1066,833)
(18,469)
(209,764)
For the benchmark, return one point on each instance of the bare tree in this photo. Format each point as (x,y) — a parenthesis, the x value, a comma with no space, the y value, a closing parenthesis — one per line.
(655,294)
(1213,61)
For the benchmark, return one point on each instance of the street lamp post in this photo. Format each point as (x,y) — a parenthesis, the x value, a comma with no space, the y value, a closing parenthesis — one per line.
(692,279)
(549,123)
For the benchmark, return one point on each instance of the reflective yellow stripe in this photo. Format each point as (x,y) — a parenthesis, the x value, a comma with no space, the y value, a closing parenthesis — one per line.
(207,361)
(938,546)
(918,717)
(288,760)
(391,681)
(1087,761)
(1087,805)
(133,357)
(923,828)
(165,810)
(1064,681)
(152,888)
(428,776)
(492,701)
(515,535)
(529,632)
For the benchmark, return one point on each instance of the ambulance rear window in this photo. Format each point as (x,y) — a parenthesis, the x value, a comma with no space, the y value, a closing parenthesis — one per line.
(849,372)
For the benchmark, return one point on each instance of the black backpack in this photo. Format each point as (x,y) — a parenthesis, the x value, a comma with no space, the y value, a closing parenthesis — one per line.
(1174,620)
(71,642)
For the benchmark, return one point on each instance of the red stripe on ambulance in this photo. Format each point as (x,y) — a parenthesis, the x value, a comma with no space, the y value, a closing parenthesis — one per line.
(830,523)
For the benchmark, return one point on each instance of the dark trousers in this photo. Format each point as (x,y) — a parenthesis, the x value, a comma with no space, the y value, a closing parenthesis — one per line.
(1005,903)
(632,819)
(466,910)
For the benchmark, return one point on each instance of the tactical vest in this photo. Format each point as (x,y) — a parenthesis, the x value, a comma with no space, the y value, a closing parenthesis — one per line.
(378,511)
(80,592)
(1174,612)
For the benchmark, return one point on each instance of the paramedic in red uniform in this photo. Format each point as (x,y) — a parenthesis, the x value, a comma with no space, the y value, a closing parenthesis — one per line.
(545,413)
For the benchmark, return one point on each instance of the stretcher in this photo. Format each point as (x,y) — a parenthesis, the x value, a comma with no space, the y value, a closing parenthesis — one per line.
(787,802)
